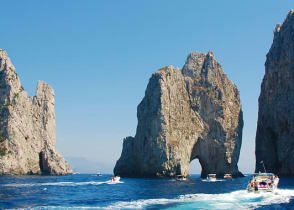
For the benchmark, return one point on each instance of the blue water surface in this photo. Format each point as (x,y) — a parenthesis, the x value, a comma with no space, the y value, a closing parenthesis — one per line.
(88,191)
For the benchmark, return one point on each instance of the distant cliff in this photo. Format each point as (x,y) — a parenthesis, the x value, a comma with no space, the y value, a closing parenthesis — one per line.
(27,127)
(193,113)
(275,127)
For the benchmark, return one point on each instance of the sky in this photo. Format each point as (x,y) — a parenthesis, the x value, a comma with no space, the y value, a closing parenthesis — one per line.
(98,55)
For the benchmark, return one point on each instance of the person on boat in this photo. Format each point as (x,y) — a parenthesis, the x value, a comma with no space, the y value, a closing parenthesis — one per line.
(251,183)
(270,185)
(255,186)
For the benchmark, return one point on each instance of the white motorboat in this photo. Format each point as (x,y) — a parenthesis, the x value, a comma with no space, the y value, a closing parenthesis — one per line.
(181,178)
(263,182)
(211,177)
(228,176)
(114,179)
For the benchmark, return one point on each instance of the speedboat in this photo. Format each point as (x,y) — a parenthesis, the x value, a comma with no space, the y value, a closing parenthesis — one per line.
(181,178)
(114,179)
(99,174)
(263,182)
(228,176)
(211,177)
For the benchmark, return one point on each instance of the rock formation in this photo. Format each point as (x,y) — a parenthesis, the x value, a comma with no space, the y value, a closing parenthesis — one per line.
(27,127)
(275,133)
(185,114)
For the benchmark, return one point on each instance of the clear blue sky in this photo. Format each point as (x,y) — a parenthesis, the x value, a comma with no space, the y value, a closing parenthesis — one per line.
(99,56)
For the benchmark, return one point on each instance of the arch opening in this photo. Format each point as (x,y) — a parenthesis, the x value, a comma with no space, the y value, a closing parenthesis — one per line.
(195,167)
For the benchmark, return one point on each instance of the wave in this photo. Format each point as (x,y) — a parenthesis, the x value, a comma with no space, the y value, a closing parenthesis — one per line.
(218,180)
(236,200)
(59,184)
(109,182)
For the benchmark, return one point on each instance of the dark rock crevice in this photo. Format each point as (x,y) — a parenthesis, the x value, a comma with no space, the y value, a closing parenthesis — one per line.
(41,160)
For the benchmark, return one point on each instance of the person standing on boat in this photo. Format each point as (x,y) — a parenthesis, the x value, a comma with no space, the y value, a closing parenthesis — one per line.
(255,186)
(251,184)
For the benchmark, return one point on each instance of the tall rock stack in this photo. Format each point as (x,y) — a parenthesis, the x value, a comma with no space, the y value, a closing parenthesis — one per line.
(193,113)
(27,127)
(275,127)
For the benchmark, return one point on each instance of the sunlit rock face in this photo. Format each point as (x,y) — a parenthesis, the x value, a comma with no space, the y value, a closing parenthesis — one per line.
(275,133)
(188,113)
(27,127)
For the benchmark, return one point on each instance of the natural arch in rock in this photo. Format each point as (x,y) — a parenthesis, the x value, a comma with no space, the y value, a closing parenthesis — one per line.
(195,167)
(185,114)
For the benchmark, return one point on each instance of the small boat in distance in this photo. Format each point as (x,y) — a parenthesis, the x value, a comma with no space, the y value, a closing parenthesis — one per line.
(228,176)
(181,178)
(99,174)
(263,182)
(211,177)
(114,179)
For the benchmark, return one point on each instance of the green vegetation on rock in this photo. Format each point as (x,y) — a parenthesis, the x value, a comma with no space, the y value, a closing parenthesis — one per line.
(2,152)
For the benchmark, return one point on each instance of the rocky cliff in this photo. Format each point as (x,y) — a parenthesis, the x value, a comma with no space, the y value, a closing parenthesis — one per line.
(275,133)
(27,127)
(185,114)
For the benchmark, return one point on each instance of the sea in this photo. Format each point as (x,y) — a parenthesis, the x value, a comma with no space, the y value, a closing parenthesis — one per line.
(89,191)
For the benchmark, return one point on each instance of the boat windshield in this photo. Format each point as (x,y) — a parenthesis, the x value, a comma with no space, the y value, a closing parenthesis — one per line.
(263,175)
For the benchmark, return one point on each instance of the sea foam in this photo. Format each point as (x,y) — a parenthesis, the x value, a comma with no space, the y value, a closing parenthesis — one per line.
(56,184)
(237,200)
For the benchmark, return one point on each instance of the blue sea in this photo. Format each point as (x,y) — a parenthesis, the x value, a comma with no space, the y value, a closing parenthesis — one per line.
(88,191)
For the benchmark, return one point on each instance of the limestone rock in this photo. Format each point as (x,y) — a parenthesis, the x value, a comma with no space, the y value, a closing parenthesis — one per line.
(27,127)
(275,133)
(185,114)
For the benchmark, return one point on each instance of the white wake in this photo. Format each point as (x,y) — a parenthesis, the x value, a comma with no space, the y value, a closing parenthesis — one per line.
(236,200)
(60,184)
